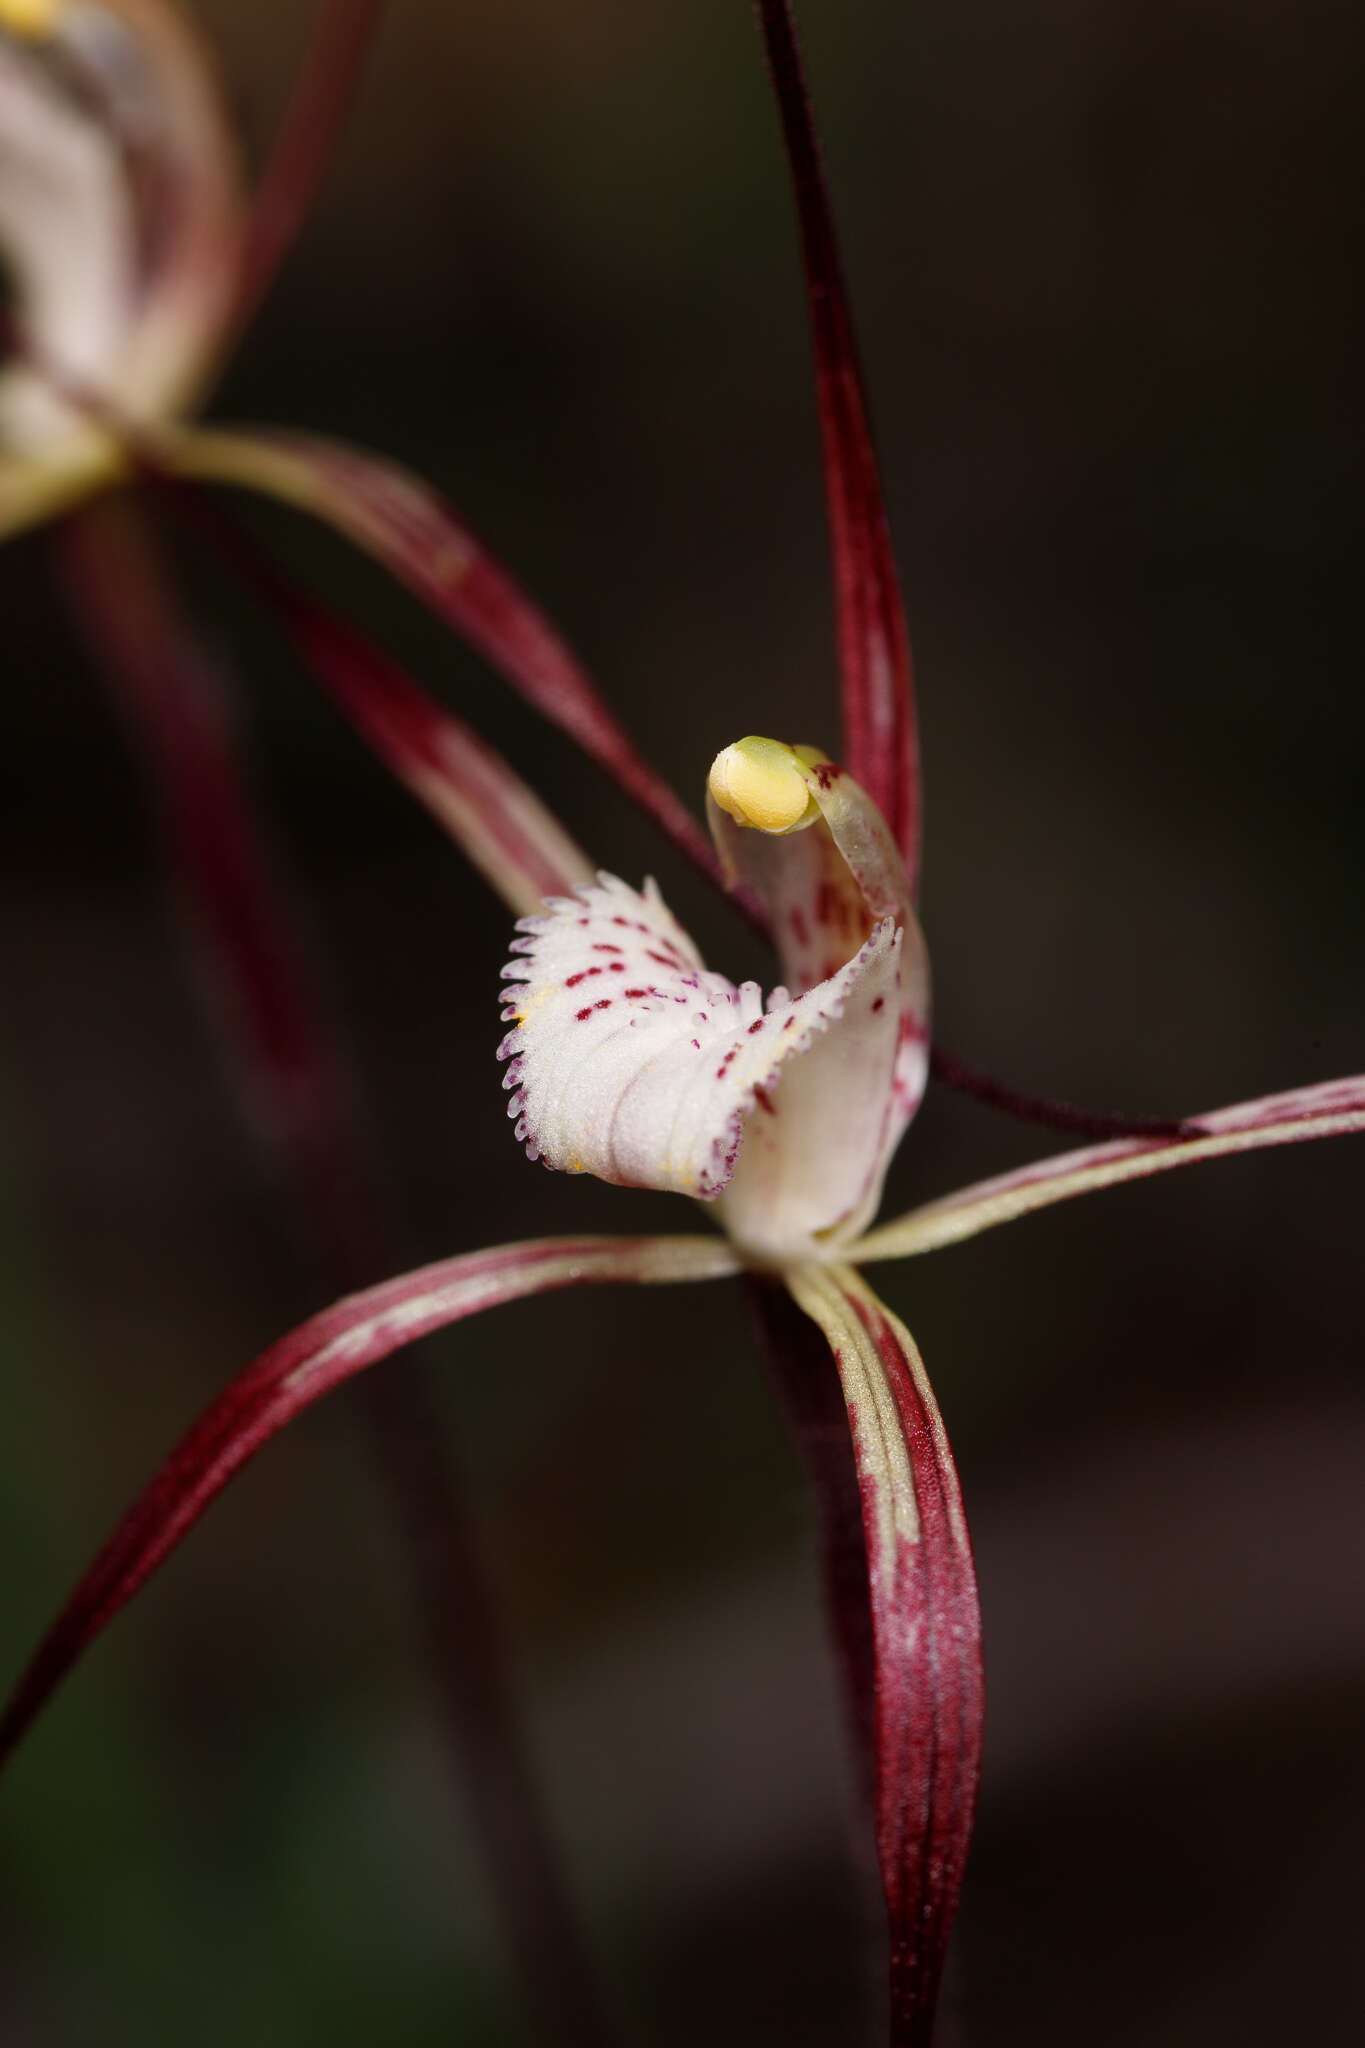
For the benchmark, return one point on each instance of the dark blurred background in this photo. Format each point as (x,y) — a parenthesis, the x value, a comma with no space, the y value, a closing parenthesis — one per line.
(1105,264)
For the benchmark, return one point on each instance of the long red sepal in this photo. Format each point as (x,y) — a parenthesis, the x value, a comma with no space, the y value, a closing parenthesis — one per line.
(421,540)
(468,787)
(881,747)
(928,1698)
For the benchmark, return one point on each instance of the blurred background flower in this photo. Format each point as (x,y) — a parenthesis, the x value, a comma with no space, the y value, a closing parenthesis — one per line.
(1102,263)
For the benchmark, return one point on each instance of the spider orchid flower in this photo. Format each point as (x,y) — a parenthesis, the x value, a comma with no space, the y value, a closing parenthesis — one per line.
(628,1059)
(120,217)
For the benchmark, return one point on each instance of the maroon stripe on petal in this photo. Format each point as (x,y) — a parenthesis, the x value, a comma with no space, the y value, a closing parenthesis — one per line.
(927,1698)
(880,746)
(930,1700)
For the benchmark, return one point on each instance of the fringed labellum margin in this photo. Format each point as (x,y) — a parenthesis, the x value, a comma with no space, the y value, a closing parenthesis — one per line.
(631,1061)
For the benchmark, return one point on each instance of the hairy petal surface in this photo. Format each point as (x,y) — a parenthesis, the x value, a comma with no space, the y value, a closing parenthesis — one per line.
(409,528)
(119,214)
(1330,1109)
(926,1633)
(629,1060)
(297,1371)
(874,646)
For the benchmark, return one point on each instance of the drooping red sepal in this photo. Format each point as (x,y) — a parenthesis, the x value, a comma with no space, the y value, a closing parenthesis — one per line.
(926,1634)
(409,528)
(496,819)
(300,1369)
(880,746)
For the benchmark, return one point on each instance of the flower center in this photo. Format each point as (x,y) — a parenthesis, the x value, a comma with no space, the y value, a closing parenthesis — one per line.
(761,783)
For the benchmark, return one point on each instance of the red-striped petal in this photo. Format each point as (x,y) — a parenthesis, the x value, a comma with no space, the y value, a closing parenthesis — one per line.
(926,1634)
(880,742)
(1331,1109)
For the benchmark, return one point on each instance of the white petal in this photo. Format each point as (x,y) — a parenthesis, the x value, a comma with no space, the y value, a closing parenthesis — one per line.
(119,222)
(69,239)
(632,1062)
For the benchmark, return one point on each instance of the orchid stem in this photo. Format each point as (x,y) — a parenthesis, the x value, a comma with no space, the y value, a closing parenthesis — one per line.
(298,1089)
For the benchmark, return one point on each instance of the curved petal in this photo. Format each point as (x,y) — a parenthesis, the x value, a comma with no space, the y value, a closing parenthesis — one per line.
(926,1632)
(630,1061)
(297,1371)
(408,527)
(874,645)
(118,218)
(1330,1109)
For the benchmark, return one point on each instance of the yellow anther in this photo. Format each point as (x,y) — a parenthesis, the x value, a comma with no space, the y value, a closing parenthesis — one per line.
(761,783)
(36,18)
